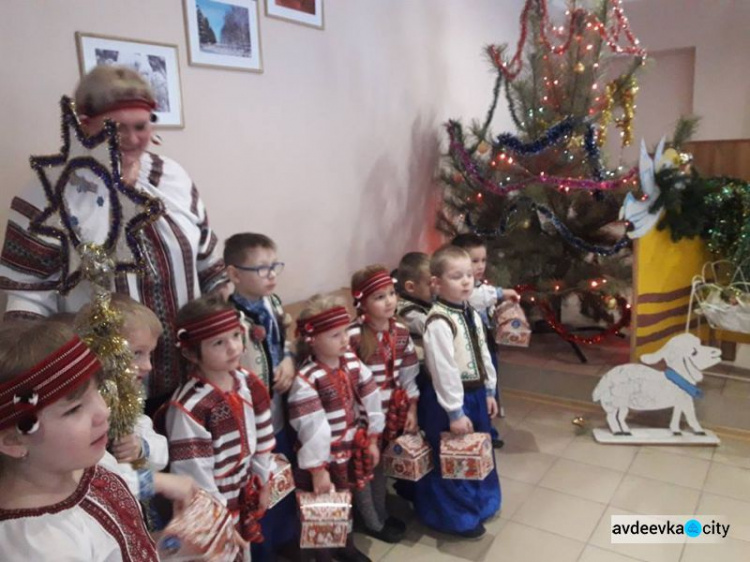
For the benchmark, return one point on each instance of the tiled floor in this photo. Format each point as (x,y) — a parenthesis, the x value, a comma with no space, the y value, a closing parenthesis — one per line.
(560,489)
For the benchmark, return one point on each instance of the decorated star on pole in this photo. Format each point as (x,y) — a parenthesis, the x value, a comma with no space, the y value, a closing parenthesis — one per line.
(82,180)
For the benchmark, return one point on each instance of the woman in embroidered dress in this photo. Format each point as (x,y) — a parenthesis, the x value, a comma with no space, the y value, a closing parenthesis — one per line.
(55,502)
(219,422)
(384,345)
(179,246)
(334,406)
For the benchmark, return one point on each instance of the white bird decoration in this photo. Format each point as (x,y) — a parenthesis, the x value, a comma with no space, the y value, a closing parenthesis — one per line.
(636,210)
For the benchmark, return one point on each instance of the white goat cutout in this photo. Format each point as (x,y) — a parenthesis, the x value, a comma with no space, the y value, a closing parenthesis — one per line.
(637,387)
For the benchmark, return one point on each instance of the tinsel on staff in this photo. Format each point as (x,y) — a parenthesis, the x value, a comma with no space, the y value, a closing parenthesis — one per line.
(101,330)
(95,160)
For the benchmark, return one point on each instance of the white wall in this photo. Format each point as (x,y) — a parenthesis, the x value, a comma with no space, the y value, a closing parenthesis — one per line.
(331,151)
(718,31)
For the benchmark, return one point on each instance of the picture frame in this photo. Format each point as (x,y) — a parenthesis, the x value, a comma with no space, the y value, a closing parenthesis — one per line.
(304,12)
(158,63)
(210,45)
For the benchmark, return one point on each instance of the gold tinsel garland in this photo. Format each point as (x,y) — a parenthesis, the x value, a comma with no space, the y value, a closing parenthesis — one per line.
(102,332)
(619,94)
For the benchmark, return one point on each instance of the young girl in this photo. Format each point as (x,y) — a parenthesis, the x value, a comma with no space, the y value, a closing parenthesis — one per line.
(55,503)
(219,422)
(384,345)
(327,400)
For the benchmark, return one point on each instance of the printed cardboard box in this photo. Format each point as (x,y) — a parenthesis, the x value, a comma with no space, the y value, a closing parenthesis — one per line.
(408,457)
(466,457)
(511,326)
(282,481)
(203,532)
(325,519)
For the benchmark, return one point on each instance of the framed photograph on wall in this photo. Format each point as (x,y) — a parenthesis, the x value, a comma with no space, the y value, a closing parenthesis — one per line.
(224,33)
(158,63)
(306,12)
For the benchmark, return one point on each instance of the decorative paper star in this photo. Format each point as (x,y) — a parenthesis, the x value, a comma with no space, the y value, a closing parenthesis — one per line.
(86,177)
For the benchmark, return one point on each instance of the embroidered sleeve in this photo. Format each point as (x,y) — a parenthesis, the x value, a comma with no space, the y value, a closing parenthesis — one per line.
(308,418)
(439,356)
(209,263)
(191,448)
(369,395)
(125,471)
(157,446)
(262,459)
(262,408)
(30,264)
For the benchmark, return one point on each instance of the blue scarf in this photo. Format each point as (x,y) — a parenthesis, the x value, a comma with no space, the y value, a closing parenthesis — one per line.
(680,381)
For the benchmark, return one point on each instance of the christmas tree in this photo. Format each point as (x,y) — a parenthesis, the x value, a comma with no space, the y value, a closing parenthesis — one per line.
(543,197)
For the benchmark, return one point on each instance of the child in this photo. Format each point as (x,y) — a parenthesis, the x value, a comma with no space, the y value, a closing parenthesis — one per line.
(219,422)
(461,397)
(55,502)
(483,299)
(332,395)
(253,268)
(414,294)
(139,457)
(383,344)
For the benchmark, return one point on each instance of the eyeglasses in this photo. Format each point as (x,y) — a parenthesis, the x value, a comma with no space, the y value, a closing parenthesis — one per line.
(264,271)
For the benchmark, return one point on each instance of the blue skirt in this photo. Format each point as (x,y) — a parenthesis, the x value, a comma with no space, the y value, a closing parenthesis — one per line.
(454,505)
(279,524)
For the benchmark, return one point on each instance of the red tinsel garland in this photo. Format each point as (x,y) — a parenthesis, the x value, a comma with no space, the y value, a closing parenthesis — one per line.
(610,36)
(552,321)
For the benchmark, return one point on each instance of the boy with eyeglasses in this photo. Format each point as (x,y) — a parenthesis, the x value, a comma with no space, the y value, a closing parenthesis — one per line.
(253,268)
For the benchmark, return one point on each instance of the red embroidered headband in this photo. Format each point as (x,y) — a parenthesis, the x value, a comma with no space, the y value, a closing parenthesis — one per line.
(208,326)
(335,317)
(56,376)
(139,103)
(376,281)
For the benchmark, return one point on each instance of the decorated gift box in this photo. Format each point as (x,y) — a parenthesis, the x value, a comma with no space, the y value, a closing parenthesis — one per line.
(282,481)
(204,531)
(408,457)
(466,457)
(511,326)
(325,519)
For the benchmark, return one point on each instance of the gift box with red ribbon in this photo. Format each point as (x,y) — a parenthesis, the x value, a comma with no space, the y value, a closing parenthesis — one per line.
(325,519)
(203,532)
(282,481)
(408,457)
(466,457)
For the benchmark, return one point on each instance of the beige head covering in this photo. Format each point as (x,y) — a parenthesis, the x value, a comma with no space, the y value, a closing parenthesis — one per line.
(107,88)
